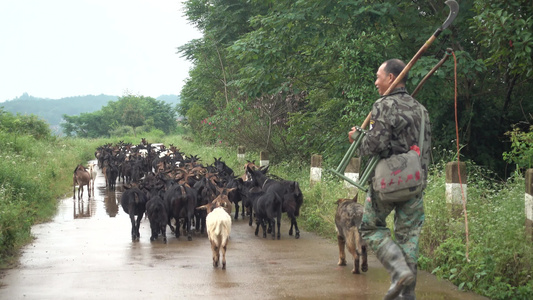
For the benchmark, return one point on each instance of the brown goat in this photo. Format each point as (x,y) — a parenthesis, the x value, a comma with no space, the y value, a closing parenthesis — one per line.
(81,177)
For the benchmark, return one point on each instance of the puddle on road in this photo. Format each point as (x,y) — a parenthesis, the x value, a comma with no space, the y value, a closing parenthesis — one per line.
(83,208)
(103,201)
(111,200)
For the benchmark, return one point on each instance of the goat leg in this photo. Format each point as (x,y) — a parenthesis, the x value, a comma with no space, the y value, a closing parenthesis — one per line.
(216,254)
(164,232)
(273,226)
(133,234)
(279,225)
(257,227)
(264,226)
(223,248)
(237,211)
(138,225)
(293,222)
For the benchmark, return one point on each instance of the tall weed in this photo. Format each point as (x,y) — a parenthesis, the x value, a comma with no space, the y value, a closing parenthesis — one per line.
(499,262)
(34,173)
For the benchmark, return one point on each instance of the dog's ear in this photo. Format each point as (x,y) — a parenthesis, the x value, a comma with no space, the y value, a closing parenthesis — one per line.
(355,198)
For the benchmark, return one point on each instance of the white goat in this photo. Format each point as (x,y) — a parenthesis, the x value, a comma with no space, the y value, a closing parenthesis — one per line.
(93,172)
(218,224)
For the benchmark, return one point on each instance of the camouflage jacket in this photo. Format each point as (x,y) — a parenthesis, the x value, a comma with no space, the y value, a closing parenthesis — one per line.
(395,127)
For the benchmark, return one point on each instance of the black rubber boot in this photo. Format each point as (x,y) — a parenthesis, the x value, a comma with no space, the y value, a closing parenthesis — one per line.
(391,256)
(408,291)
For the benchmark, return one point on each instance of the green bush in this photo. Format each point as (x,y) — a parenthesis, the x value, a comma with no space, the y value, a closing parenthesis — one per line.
(499,262)
(155,133)
(24,125)
(35,170)
(121,131)
(521,152)
(15,220)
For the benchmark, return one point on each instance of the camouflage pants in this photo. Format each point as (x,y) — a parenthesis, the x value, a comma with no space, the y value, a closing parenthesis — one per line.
(408,220)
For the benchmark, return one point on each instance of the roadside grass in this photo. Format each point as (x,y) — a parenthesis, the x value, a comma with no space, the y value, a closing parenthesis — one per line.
(500,256)
(34,174)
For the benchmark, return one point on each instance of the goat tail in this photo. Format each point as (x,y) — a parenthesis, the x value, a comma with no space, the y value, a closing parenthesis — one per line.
(223,227)
(218,228)
(156,209)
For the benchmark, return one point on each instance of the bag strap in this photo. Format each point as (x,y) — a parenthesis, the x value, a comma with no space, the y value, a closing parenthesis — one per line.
(422,129)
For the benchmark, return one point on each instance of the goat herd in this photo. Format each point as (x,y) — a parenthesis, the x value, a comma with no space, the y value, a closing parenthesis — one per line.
(175,189)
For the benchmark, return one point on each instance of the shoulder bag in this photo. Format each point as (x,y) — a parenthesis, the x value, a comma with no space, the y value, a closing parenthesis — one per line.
(400,177)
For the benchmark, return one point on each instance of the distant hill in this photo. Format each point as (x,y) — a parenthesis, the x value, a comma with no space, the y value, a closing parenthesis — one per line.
(52,110)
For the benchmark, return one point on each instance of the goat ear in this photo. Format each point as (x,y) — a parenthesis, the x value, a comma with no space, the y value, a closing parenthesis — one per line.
(218,189)
(248,169)
(203,207)
(265,170)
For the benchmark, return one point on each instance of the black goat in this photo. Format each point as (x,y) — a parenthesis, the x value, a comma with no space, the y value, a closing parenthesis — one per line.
(111,175)
(267,209)
(181,201)
(289,191)
(206,192)
(251,194)
(222,168)
(292,201)
(158,216)
(133,202)
(236,195)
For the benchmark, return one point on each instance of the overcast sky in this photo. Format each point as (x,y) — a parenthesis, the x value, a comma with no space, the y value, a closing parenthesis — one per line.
(62,48)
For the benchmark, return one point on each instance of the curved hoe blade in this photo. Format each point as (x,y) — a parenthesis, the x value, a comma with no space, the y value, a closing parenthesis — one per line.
(454,10)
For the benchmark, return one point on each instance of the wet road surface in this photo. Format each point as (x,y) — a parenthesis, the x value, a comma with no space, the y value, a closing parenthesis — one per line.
(86,252)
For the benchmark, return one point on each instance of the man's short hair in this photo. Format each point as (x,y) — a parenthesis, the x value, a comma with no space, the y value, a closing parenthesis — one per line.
(396,66)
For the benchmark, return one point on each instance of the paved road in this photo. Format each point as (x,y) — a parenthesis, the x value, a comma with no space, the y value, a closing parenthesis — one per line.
(86,253)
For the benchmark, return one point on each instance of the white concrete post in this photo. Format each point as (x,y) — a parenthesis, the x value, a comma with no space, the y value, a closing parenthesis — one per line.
(455,187)
(263,159)
(352,171)
(241,154)
(529,203)
(316,169)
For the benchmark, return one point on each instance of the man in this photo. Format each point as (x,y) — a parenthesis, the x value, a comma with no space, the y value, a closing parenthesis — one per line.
(394,128)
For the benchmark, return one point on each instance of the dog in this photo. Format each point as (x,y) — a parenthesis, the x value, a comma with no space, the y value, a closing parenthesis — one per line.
(347,220)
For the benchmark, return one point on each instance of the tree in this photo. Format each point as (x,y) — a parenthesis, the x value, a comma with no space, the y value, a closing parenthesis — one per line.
(318,58)
(132,113)
(129,110)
